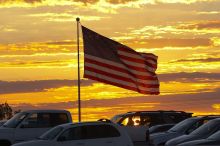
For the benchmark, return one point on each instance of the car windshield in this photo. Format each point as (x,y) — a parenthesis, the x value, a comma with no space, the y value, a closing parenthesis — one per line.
(182,125)
(116,118)
(215,136)
(206,128)
(51,134)
(15,120)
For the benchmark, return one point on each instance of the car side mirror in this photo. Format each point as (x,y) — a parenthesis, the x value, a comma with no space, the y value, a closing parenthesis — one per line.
(61,138)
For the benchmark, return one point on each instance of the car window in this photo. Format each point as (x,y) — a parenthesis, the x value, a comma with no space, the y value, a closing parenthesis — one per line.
(102,131)
(183,125)
(58,119)
(89,132)
(15,120)
(127,121)
(45,120)
(51,134)
(207,128)
(132,121)
(152,119)
(116,119)
(215,136)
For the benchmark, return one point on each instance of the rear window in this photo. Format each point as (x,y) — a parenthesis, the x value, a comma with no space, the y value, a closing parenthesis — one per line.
(44,120)
(90,132)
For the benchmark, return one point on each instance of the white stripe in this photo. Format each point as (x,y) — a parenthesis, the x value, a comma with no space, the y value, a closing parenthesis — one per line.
(151,62)
(141,65)
(135,56)
(132,55)
(142,56)
(116,65)
(107,78)
(115,72)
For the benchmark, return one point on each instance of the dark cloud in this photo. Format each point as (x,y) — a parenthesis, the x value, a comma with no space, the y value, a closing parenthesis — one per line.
(198,60)
(202,25)
(62,43)
(41,85)
(201,102)
(37,86)
(190,77)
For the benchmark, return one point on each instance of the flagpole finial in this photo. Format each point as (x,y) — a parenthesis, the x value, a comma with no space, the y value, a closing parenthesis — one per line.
(77,19)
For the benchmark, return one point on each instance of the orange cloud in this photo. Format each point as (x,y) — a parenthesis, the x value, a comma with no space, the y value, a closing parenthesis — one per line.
(168,42)
(201,25)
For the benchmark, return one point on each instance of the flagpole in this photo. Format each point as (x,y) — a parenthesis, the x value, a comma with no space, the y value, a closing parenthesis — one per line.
(79,100)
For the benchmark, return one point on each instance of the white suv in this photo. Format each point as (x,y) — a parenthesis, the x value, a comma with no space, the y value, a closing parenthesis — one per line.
(85,133)
(28,125)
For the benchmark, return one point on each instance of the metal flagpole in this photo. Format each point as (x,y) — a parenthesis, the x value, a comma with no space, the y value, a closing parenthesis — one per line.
(79,101)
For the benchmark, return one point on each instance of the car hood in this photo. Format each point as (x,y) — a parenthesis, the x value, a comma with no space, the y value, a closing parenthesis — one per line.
(6,132)
(181,139)
(198,142)
(34,143)
(163,137)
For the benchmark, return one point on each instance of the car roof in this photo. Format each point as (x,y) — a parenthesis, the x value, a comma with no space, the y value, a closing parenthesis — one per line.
(46,111)
(68,125)
(204,117)
(157,111)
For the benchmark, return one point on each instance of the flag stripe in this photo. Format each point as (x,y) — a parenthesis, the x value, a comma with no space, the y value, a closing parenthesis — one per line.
(124,79)
(152,80)
(141,62)
(138,62)
(139,58)
(113,81)
(150,56)
(117,67)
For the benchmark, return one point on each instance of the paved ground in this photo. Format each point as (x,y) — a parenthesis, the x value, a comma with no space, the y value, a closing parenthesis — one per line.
(141,144)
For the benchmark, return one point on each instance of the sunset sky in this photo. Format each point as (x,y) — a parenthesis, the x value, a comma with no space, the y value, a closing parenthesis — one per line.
(38,54)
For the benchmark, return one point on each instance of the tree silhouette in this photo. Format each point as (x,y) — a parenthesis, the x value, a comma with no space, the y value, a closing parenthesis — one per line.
(5,111)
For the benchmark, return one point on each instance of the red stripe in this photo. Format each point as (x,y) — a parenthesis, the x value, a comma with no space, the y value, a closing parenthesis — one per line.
(150,56)
(140,69)
(137,61)
(92,61)
(95,70)
(120,85)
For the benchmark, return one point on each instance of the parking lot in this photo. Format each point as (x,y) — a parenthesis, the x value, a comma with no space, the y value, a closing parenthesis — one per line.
(140,144)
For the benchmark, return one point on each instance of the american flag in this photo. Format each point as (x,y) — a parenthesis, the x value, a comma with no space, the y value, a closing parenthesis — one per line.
(110,62)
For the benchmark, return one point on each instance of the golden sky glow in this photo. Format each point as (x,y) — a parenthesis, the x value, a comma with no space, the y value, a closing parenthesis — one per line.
(38,56)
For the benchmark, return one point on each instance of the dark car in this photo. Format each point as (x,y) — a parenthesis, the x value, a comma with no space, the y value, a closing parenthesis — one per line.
(184,127)
(202,132)
(214,139)
(160,128)
(137,124)
(150,118)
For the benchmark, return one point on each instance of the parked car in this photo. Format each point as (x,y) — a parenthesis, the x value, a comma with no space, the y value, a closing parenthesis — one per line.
(2,122)
(202,132)
(184,127)
(213,140)
(137,123)
(85,133)
(31,124)
(160,128)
